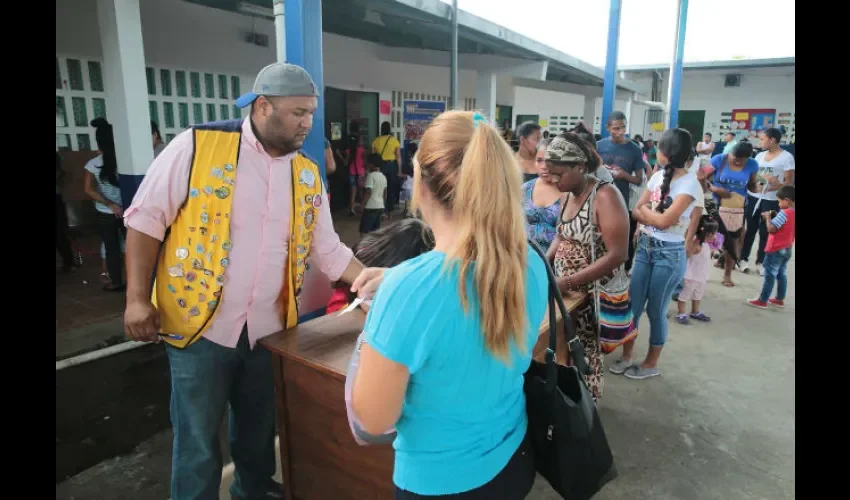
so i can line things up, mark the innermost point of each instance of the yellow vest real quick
(191, 273)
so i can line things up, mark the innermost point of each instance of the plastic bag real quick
(362, 437)
(716, 243)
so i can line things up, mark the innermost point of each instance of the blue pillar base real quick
(311, 315)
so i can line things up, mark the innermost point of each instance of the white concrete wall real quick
(559, 109)
(765, 88)
(183, 35)
(504, 91)
(563, 110)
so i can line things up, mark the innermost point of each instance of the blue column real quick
(609, 88)
(303, 22)
(293, 20)
(312, 46)
(676, 68)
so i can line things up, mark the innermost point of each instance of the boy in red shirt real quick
(782, 227)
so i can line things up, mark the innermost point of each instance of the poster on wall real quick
(336, 131)
(385, 107)
(418, 115)
(752, 119)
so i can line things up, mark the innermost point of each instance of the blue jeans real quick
(205, 377)
(775, 265)
(659, 267)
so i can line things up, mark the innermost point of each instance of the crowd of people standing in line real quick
(681, 204)
(678, 213)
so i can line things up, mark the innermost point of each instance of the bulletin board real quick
(752, 119)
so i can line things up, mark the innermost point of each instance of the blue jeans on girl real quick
(775, 266)
(659, 267)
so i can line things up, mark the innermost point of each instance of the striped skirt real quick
(616, 321)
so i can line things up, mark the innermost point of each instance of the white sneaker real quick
(760, 269)
(743, 266)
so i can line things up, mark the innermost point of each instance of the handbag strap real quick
(593, 259)
(576, 348)
(386, 143)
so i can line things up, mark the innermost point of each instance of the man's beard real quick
(276, 139)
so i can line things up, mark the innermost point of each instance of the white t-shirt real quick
(686, 185)
(776, 167)
(704, 145)
(377, 183)
(110, 192)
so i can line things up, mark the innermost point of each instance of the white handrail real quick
(99, 354)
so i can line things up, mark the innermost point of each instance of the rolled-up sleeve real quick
(331, 255)
(163, 190)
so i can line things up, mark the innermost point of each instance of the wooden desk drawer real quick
(324, 460)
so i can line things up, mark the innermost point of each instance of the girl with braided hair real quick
(664, 211)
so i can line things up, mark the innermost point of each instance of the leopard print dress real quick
(574, 254)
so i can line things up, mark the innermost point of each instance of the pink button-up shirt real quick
(259, 230)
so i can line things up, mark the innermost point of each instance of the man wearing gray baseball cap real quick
(227, 218)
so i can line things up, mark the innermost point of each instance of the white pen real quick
(354, 303)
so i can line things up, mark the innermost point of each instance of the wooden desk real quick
(572, 301)
(319, 457)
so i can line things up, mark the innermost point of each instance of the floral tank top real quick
(575, 251)
(540, 222)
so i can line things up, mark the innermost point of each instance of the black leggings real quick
(756, 225)
(514, 482)
(633, 223)
(111, 232)
(390, 171)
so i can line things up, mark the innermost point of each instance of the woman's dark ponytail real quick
(106, 145)
(677, 145)
(665, 187)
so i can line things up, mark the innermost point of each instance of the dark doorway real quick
(693, 122)
(504, 113)
(342, 108)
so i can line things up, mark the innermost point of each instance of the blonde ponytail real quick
(472, 172)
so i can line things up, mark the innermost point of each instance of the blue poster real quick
(761, 121)
(418, 115)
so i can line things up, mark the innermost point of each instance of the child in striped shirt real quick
(782, 229)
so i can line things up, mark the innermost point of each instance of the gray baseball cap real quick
(280, 80)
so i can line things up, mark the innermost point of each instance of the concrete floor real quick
(718, 424)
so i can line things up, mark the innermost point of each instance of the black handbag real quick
(566, 434)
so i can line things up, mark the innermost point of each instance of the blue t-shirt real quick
(725, 177)
(627, 156)
(464, 411)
